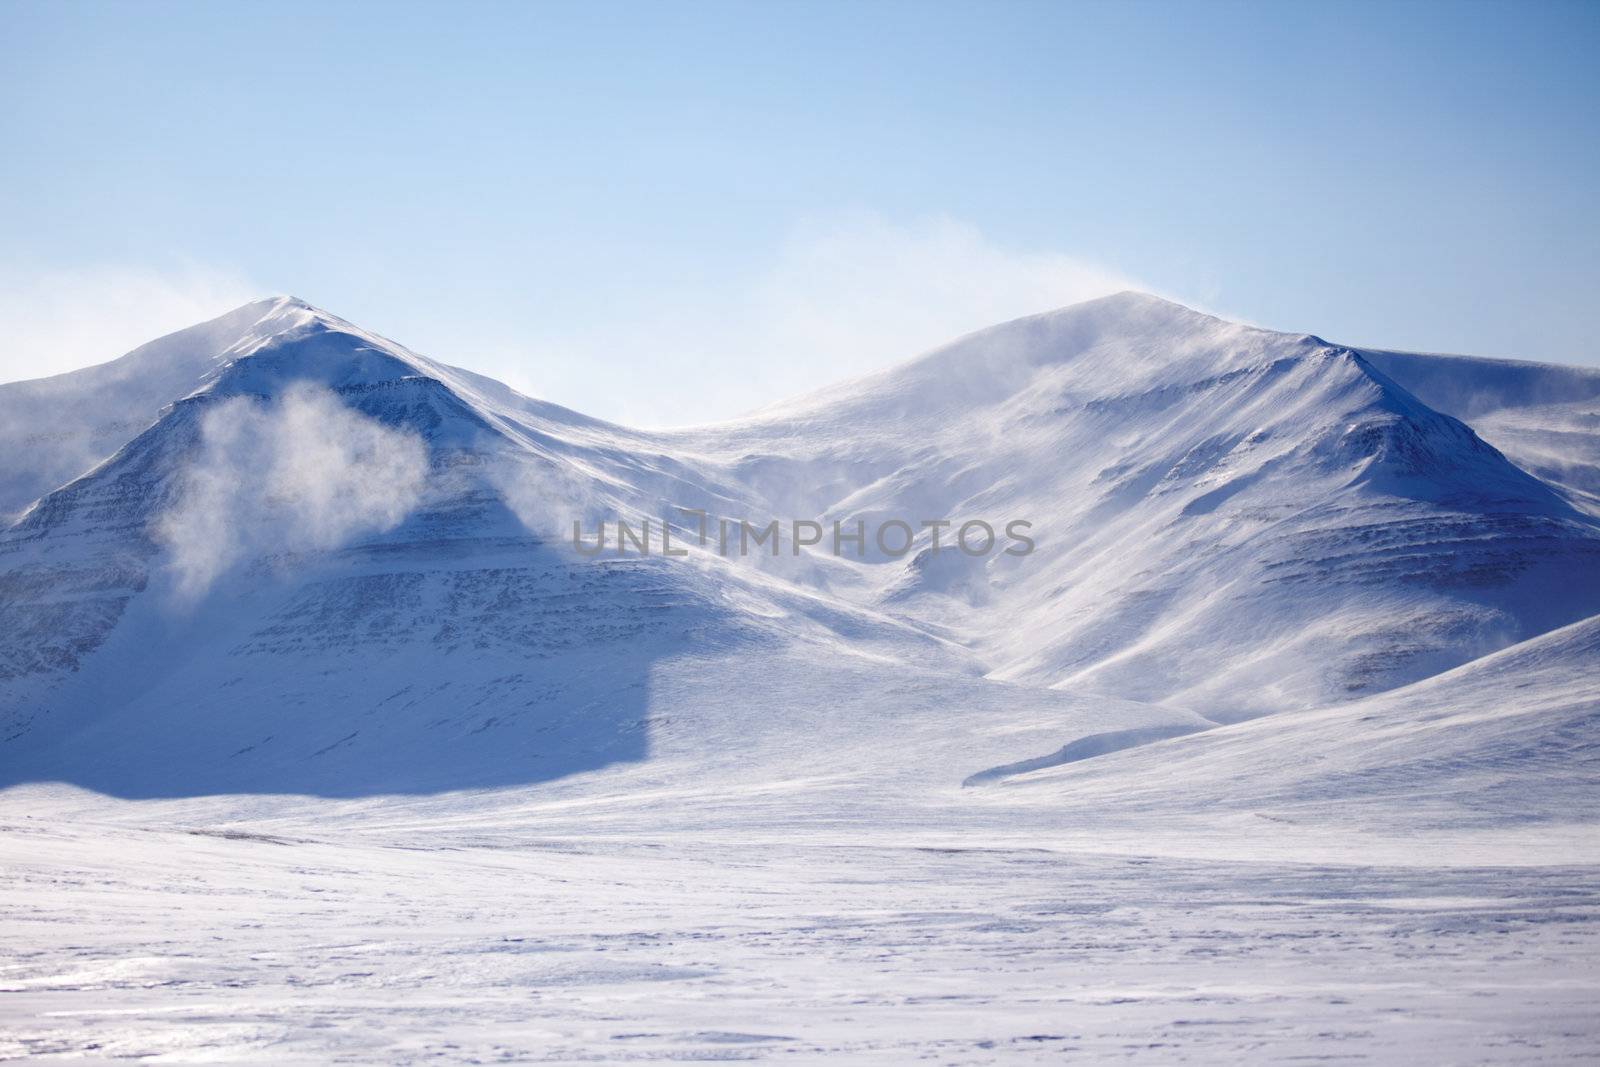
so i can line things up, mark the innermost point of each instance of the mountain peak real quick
(1126, 341)
(1137, 298)
(284, 312)
(1132, 312)
(281, 302)
(286, 339)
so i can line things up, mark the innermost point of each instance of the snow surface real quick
(318, 742)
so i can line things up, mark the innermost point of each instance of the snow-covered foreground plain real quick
(416, 946)
(318, 742)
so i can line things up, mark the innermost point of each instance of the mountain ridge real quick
(1232, 523)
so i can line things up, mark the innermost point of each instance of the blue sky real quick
(669, 213)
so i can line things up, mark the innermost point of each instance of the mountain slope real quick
(1231, 519)
(1509, 739)
(310, 574)
(56, 428)
(1545, 417)
(330, 565)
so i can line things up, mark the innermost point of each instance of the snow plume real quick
(852, 293)
(548, 494)
(299, 473)
(840, 296)
(59, 320)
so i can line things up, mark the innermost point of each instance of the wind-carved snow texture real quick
(319, 740)
(298, 473)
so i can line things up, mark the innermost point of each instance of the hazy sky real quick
(670, 213)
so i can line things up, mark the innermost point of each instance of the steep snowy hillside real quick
(330, 565)
(309, 575)
(1230, 519)
(53, 429)
(1544, 417)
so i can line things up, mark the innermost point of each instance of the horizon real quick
(781, 401)
(670, 216)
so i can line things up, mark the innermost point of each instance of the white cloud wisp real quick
(299, 473)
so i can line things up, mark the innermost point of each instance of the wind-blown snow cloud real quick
(300, 473)
(548, 494)
(865, 291)
(841, 297)
(60, 320)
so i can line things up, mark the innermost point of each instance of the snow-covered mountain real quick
(275, 553)
(319, 740)
(1235, 520)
